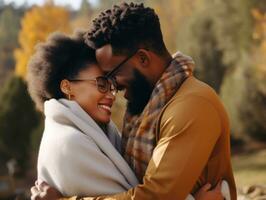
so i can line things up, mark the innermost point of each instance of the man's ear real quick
(144, 57)
(65, 87)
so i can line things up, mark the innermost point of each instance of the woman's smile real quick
(97, 104)
(106, 106)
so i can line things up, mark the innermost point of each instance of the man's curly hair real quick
(60, 57)
(127, 27)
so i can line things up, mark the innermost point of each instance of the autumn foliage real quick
(37, 24)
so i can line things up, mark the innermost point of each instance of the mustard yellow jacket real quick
(193, 147)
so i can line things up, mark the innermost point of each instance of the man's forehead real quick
(105, 58)
(105, 52)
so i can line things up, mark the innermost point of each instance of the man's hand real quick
(206, 194)
(43, 191)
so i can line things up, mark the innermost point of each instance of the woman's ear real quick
(65, 87)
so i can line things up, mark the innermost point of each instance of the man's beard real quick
(140, 92)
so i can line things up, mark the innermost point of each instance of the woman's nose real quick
(111, 94)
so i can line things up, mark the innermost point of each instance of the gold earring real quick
(69, 96)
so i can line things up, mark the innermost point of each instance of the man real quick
(176, 131)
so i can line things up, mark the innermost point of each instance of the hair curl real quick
(60, 57)
(127, 27)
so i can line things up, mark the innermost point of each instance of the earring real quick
(69, 96)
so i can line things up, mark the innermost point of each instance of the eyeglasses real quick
(103, 84)
(111, 75)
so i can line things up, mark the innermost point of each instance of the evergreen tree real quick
(17, 120)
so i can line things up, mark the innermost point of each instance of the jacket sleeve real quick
(189, 129)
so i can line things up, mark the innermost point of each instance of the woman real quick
(80, 148)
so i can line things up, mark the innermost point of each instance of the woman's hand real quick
(43, 191)
(206, 193)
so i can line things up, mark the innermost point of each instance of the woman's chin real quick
(105, 120)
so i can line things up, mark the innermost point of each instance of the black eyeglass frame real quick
(116, 69)
(111, 75)
(108, 86)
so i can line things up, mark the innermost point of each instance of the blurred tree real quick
(17, 120)
(172, 15)
(234, 36)
(109, 4)
(2, 3)
(199, 41)
(232, 94)
(37, 135)
(253, 109)
(85, 8)
(244, 88)
(8, 39)
(213, 42)
(83, 17)
(259, 35)
(37, 24)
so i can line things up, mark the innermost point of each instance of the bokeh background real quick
(226, 38)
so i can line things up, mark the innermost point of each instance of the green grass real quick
(250, 168)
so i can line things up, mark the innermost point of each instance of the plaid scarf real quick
(139, 131)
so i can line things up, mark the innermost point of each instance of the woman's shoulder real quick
(61, 141)
(75, 138)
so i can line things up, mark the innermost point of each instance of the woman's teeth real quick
(105, 107)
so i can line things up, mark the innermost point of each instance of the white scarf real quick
(77, 157)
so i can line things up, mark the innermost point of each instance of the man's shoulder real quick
(195, 103)
(194, 87)
(192, 92)
(194, 97)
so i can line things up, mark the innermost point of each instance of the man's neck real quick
(161, 64)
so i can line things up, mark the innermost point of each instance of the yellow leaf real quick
(37, 24)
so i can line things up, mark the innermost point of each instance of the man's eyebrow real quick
(106, 71)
